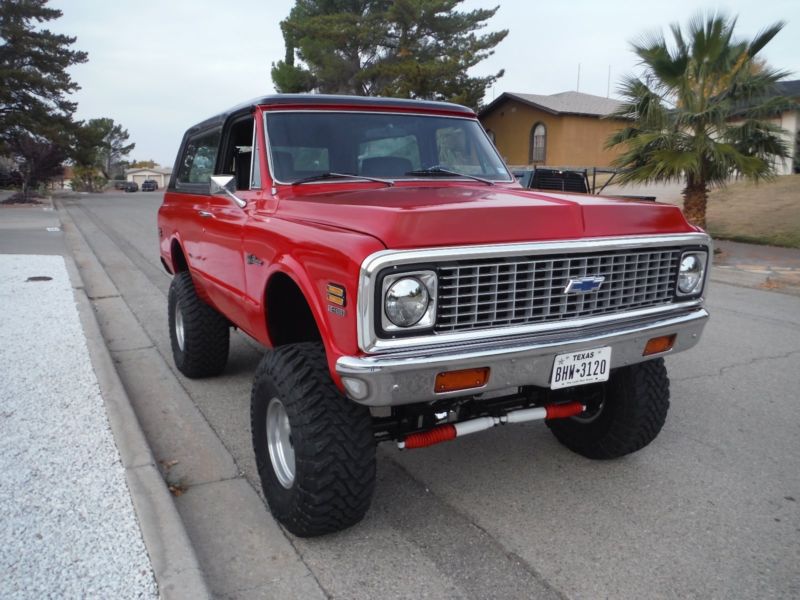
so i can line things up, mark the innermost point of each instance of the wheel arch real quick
(177, 257)
(308, 288)
(289, 315)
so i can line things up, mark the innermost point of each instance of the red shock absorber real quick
(442, 433)
(562, 411)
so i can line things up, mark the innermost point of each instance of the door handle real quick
(205, 214)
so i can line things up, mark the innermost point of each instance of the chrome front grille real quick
(489, 293)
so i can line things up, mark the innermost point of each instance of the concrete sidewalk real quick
(68, 526)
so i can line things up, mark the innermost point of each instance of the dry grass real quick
(763, 213)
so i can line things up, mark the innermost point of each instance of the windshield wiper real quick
(332, 175)
(439, 171)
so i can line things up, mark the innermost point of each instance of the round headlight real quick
(690, 276)
(406, 301)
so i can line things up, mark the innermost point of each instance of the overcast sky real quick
(159, 66)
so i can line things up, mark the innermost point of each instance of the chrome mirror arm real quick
(224, 185)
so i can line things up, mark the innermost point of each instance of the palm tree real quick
(697, 114)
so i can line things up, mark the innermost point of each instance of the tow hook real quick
(450, 431)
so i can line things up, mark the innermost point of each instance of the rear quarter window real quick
(197, 160)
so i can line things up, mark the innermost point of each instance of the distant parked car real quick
(131, 186)
(10, 179)
(120, 185)
(149, 185)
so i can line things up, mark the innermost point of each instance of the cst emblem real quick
(583, 285)
(339, 312)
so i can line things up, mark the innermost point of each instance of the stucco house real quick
(564, 130)
(789, 120)
(161, 175)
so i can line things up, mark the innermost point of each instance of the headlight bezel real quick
(428, 278)
(697, 291)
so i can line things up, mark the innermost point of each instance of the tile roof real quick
(569, 103)
(790, 88)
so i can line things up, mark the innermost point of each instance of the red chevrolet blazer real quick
(406, 288)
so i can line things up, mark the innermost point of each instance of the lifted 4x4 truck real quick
(408, 289)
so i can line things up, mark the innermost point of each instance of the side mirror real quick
(224, 185)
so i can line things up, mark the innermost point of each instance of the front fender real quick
(335, 336)
(313, 256)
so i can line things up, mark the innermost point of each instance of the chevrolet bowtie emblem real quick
(583, 285)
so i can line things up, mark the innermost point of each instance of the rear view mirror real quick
(224, 185)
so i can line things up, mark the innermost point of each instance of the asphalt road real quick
(711, 509)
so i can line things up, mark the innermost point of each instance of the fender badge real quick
(339, 312)
(584, 284)
(252, 259)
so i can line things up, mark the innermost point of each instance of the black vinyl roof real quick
(330, 100)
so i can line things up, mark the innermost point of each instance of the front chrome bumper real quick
(408, 377)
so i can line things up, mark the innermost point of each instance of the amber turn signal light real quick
(659, 344)
(452, 381)
(336, 294)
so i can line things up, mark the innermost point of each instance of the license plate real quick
(579, 368)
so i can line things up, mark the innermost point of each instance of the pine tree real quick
(401, 48)
(35, 111)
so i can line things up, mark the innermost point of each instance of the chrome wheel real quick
(279, 443)
(590, 414)
(595, 401)
(179, 326)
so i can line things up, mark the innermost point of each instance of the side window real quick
(197, 162)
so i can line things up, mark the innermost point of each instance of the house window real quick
(492, 136)
(797, 153)
(538, 143)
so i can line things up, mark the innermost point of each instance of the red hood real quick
(414, 217)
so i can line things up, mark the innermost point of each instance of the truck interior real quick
(238, 152)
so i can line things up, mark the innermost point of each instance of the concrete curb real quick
(760, 280)
(241, 549)
(172, 556)
(738, 277)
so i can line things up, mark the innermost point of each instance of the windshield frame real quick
(401, 112)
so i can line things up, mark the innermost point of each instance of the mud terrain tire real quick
(199, 335)
(314, 448)
(633, 411)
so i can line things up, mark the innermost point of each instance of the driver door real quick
(225, 224)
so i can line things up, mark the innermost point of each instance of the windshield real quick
(386, 145)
